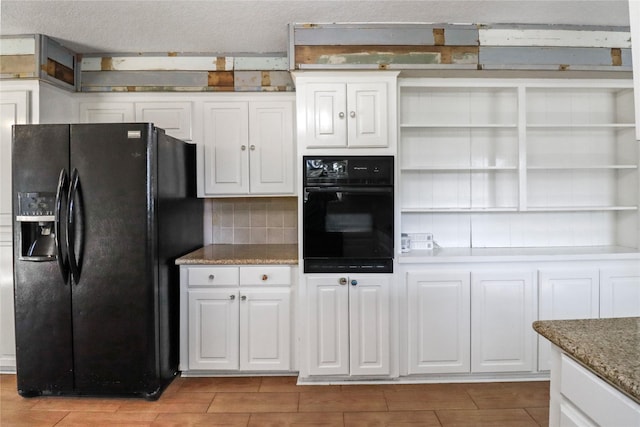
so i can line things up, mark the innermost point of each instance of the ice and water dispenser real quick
(37, 232)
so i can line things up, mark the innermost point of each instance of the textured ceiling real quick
(260, 26)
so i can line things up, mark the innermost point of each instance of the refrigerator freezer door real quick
(44, 358)
(114, 302)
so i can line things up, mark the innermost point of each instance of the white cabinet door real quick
(7, 333)
(213, 329)
(326, 117)
(107, 112)
(265, 329)
(226, 145)
(565, 294)
(439, 311)
(620, 292)
(328, 325)
(348, 325)
(369, 325)
(14, 109)
(271, 149)
(346, 115)
(367, 115)
(173, 117)
(634, 21)
(502, 307)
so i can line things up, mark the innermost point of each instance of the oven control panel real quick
(334, 170)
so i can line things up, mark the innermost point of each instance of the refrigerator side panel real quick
(113, 302)
(42, 301)
(180, 231)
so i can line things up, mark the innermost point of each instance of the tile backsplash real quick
(253, 220)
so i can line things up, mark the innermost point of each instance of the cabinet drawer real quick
(600, 401)
(265, 275)
(213, 276)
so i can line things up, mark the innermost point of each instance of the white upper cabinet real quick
(226, 162)
(174, 116)
(248, 147)
(634, 21)
(346, 110)
(107, 112)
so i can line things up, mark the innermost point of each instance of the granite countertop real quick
(242, 254)
(610, 348)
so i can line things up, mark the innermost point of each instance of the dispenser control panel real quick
(32, 205)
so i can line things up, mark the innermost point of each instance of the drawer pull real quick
(264, 277)
(243, 297)
(211, 277)
(232, 297)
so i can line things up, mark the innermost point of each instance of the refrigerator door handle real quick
(74, 224)
(61, 254)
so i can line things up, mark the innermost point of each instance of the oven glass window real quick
(348, 224)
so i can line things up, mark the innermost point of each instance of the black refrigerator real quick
(101, 212)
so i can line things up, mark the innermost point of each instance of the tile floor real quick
(278, 401)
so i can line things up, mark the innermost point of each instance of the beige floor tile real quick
(429, 399)
(106, 419)
(254, 402)
(327, 419)
(389, 419)
(288, 385)
(83, 404)
(342, 402)
(174, 402)
(486, 418)
(29, 418)
(201, 420)
(226, 384)
(533, 394)
(540, 415)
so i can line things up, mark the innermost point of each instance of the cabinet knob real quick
(243, 147)
(232, 297)
(352, 114)
(264, 277)
(342, 281)
(341, 115)
(211, 277)
(243, 297)
(354, 282)
(252, 147)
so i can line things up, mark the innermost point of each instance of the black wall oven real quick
(348, 214)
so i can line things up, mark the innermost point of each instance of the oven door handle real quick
(352, 190)
(368, 190)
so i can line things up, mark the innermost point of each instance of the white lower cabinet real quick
(578, 397)
(502, 311)
(234, 322)
(348, 324)
(214, 329)
(439, 329)
(620, 292)
(565, 294)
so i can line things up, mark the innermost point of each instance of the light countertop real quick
(610, 348)
(242, 254)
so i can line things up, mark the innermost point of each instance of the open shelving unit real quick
(488, 163)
